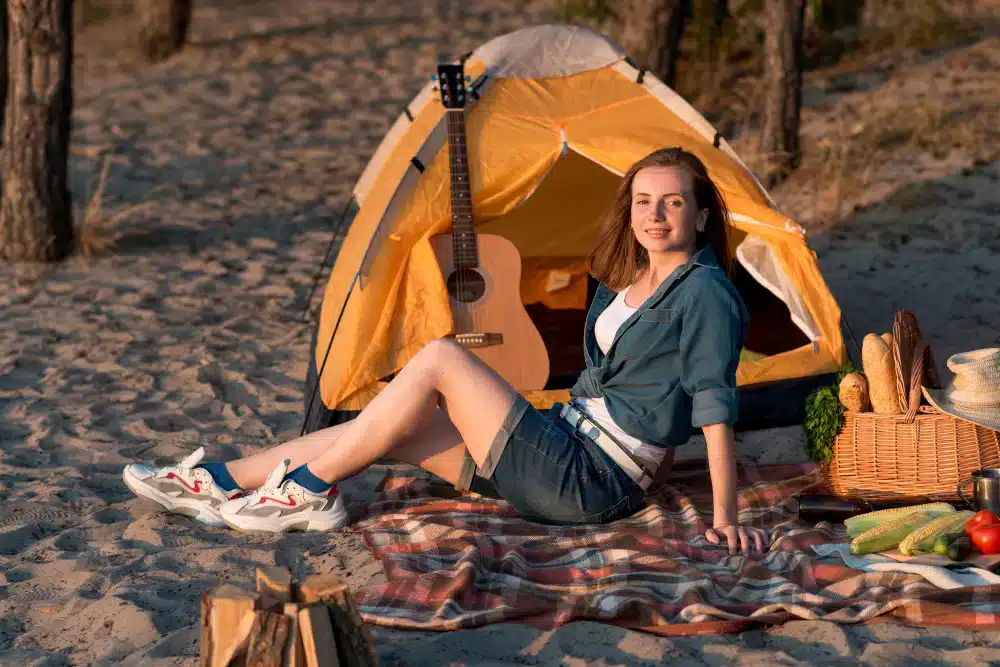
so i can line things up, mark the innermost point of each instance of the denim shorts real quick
(550, 473)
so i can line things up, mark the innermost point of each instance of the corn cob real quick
(889, 535)
(859, 524)
(921, 541)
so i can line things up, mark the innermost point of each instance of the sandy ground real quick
(228, 166)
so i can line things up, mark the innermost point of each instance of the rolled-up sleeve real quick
(711, 338)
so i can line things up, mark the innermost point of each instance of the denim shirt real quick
(672, 363)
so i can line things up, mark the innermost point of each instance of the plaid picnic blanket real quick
(460, 561)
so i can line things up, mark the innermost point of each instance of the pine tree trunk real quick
(36, 213)
(779, 139)
(650, 32)
(3, 64)
(163, 27)
(832, 15)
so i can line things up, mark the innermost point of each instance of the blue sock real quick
(220, 473)
(305, 478)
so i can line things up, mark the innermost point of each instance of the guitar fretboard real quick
(463, 230)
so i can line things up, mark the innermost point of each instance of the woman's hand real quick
(739, 538)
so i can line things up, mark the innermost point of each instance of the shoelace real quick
(272, 485)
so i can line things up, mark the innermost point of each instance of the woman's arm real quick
(722, 466)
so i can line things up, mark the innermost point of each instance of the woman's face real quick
(665, 216)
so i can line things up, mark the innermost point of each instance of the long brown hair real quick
(618, 257)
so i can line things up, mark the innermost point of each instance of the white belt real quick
(585, 425)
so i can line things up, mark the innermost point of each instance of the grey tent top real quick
(547, 51)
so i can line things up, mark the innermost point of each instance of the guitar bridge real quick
(479, 339)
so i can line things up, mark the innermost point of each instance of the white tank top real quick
(605, 328)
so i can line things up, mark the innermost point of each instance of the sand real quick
(229, 164)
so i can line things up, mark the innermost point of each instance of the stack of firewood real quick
(309, 623)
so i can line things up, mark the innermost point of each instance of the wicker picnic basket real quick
(921, 454)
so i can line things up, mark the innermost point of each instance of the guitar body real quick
(486, 300)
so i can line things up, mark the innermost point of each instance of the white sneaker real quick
(279, 506)
(182, 488)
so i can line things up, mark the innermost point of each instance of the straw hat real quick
(974, 393)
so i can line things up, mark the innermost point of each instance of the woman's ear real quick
(702, 220)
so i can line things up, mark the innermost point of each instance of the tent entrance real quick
(554, 230)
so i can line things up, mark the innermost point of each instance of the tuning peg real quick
(468, 78)
(434, 77)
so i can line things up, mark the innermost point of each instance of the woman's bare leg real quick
(251, 471)
(443, 374)
(438, 448)
(402, 421)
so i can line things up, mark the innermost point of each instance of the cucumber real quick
(942, 543)
(960, 548)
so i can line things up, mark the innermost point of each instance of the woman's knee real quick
(440, 352)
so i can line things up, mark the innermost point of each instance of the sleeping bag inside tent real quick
(557, 115)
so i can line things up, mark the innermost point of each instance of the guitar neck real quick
(464, 244)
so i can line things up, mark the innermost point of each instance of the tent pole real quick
(843, 318)
(326, 257)
(319, 375)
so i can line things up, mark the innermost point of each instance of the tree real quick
(779, 138)
(3, 63)
(163, 26)
(650, 32)
(832, 15)
(36, 212)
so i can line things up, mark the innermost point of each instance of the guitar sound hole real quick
(466, 285)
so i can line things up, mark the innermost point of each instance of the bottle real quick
(815, 507)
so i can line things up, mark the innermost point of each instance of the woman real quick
(662, 343)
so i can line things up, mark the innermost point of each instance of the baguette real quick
(876, 359)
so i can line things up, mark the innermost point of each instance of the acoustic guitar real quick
(483, 271)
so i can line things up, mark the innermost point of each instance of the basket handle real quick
(916, 379)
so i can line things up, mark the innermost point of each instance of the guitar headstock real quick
(453, 85)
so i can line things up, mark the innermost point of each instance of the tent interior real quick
(554, 230)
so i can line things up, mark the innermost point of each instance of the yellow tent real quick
(558, 116)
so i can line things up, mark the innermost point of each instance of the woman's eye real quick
(676, 203)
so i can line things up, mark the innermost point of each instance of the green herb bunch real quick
(824, 417)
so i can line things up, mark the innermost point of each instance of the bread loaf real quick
(876, 359)
(854, 392)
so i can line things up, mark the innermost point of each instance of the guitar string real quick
(479, 308)
(457, 247)
(470, 309)
(457, 240)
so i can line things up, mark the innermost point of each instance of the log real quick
(238, 643)
(355, 646)
(274, 585)
(222, 610)
(267, 639)
(317, 635)
(284, 624)
(294, 650)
